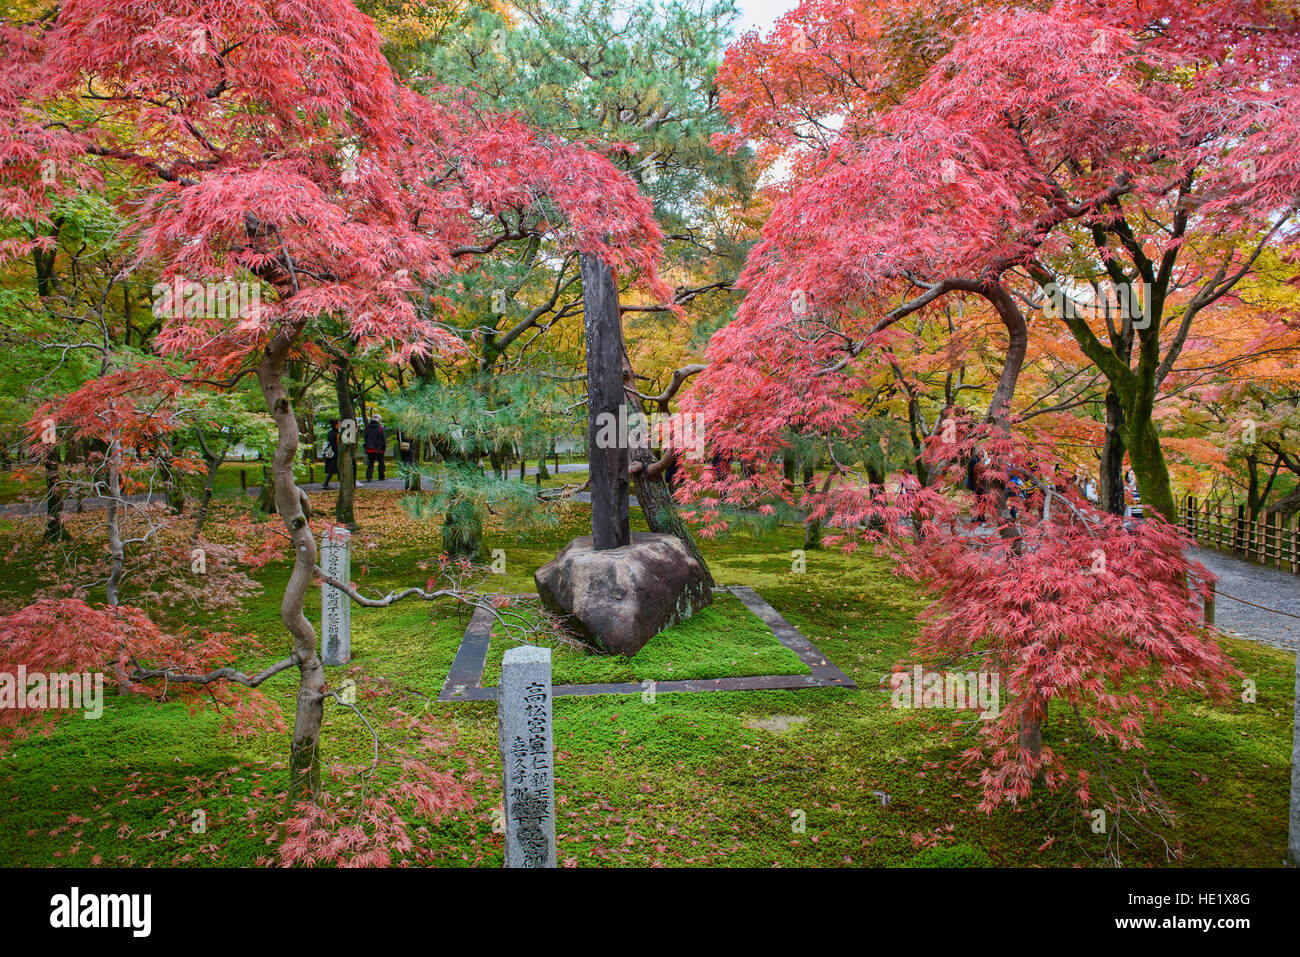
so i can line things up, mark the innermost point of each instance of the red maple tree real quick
(1012, 155)
(268, 142)
(932, 153)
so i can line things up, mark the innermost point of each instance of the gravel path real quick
(1263, 586)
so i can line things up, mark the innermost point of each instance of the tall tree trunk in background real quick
(266, 494)
(1256, 497)
(1252, 487)
(653, 492)
(1110, 484)
(1136, 386)
(205, 499)
(812, 529)
(53, 499)
(304, 754)
(44, 260)
(117, 557)
(346, 452)
(173, 489)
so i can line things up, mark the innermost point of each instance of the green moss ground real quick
(685, 779)
(725, 640)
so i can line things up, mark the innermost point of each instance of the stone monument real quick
(527, 756)
(335, 605)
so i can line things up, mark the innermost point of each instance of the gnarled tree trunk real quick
(1148, 461)
(653, 492)
(304, 757)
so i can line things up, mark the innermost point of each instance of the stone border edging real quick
(464, 678)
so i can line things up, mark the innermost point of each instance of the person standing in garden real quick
(330, 453)
(376, 443)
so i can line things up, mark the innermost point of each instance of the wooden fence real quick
(1268, 542)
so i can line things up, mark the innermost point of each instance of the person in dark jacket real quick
(376, 443)
(330, 453)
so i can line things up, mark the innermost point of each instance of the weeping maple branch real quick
(138, 674)
(517, 626)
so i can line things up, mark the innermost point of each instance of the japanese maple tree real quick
(1004, 156)
(268, 142)
(1017, 155)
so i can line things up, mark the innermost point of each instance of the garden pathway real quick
(1268, 587)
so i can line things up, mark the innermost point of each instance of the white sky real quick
(761, 13)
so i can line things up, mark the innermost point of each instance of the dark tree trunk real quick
(653, 492)
(53, 499)
(1031, 737)
(346, 452)
(266, 495)
(113, 519)
(173, 489)
(44, 261)
(1257, 497)
(1110, 486)
(610, 523)
(214, 464)
(812, 530)
(1253, 503)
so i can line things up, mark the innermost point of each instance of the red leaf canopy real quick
(272, 137)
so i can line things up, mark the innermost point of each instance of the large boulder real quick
(619, 598)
